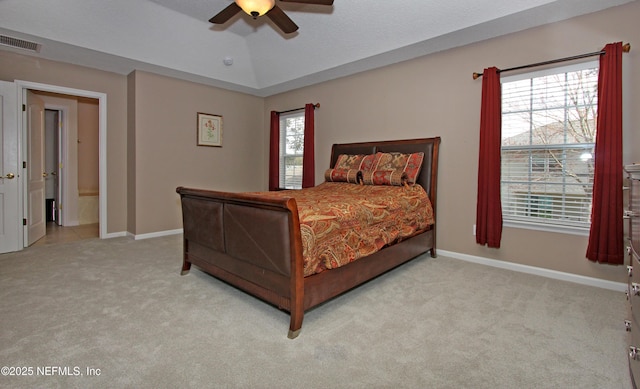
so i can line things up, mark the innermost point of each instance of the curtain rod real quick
(625, 48)
(316, 105)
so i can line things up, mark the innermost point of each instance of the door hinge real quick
(24, 107)
(24, 164)
(24, 222)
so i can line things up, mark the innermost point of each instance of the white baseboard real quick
(558, 275)
(115, 235)
(156, 234)
(142, 236)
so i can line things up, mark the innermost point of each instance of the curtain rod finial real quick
(317, 105)
(626, 47)
(476, 75)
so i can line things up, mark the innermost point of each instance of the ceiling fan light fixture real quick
(256, 8)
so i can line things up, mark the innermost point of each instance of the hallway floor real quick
(59, 234)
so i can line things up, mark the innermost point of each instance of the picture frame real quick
(209, 130)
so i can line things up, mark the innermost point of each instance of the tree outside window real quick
(548, 140)
(291, 150)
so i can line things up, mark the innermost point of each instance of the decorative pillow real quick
(384, 177)
(395, 169)
(413, 167)
(359, 162)
(352, 176)
(347, 161)
(370, 162)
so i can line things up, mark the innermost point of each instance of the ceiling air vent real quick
(19, 43)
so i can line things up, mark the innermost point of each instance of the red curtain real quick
(274, 152)
(606, 237)
(308, 158)
(489, 206)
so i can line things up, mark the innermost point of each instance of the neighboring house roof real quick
(555, 134)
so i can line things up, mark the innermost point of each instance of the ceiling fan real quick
(257, 8)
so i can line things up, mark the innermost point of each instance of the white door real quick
(36, 220)
(10, 215)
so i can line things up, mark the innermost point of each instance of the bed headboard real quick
(428, 177)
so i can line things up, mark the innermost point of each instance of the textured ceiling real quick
(174, 37)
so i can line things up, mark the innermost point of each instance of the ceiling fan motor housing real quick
(256, 8)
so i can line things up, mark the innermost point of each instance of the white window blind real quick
(548, 140)
(291, 150)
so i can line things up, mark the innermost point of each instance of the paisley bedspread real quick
(341, 222)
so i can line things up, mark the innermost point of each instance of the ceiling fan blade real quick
(319, 2)
(282, 20)
(226, 14)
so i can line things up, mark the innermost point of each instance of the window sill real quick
(546, 227)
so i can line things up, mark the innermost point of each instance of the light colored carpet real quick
(121, 306)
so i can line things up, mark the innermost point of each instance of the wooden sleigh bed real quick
(253, 241)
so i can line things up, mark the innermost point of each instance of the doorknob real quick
(9, 176)
(44, 174)
(54, 173)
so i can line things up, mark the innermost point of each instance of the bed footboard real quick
(224, 234)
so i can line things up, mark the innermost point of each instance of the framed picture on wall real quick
(209, 130)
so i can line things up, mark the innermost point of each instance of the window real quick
(291, 150)
(548, 140)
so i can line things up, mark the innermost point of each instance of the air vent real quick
(19, 43)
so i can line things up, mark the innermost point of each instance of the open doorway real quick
(23, 88)
(71, 168)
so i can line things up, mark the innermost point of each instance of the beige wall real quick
(88, 147)
(165, 154)
(436, 96)
(27, 68)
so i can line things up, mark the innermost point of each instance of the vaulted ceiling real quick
(174, 37)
